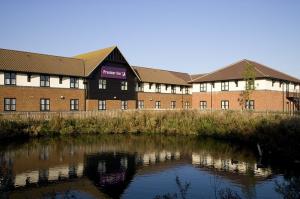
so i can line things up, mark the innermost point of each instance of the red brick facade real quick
(263, 100)
(165, 100)
(28, 98)
(92, 105)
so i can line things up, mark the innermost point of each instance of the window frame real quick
(186, 105)
(224, 104)
(140, 87)
(74, 106)
(43, 105)
(157, 104)
(102, 84)
(203, 87)
(203, 105)
(101, 105)
(173, 105)
(187, 90)
(157, 88)
(124, 105)
(173, 89)
(74, 82)
(225, 86)
(141, 104)
(12, 78)
(250, 105)
(124, 85)
(43, 81)
(12, 106)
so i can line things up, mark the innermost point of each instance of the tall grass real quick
(273, 132)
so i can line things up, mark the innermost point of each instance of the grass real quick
(277, 134)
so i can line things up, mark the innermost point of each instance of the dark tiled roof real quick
(20, 61)
(194, 76)
(162, 76)
(235, 72)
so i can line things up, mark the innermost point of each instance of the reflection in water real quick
(109, 166)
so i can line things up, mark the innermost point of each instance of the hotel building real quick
(104, 80)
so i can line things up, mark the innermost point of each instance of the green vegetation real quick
(276, 134)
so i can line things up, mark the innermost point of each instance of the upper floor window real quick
(173, 104)
(102, 83)
(180, 88)
(10, 78)
(173, 89)
(225, 86)
(9, 104)
(157, 104)
(203, 87)
(74, 82)
(141, 87)
(60, 79)
(140, 104)
(250, 85)
(236, 83)
(187, 90)
(249, 104)
(124, 85)
(45, 104)
(203, 105)
(150, 86)
(45, 80)
(158, 88)
(224, 104)
(124, 105)
(167, 86)
(74, 104)
(101, 105)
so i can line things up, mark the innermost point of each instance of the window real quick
(101, 105)
(225, 86)
(124, 105)
(203, 87)
(157, 104)
(157, 88)
(249, 105)
(273, 82)
(173, 104)
(74, 104)
(124, 85)
(203, 105)
(102, 83)
(186, 105)
(28, 77)
(45, 80)
(60, 79)
(236, 83)
(224, 104)
(250, 85)
(45, 104)
(167, 86)
(140, 104)
(74, 82)
(9, 104)
(141, 87)
(180, 88)
(187, 91)
(150, 86)
(173, 89)
(10, 78)
(213, 84)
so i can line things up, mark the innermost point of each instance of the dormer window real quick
(225, 86)
(10, 78)
(158, 88)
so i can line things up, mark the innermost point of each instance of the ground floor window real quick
(157, 104)
(203, 105)
(124, 105)
(9, 104)
(45, 104)
(101, 105)
(140, 104)
(249, 104)
(74, 104)
(224, 104)
(186, 105)
(173, 104)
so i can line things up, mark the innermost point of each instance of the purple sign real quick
(113, 72)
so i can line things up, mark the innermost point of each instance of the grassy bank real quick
(277, 134)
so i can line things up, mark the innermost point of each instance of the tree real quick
(249, 78)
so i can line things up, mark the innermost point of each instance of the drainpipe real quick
(211, 86)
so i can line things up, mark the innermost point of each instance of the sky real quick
(191, 36)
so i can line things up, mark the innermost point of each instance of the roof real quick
(235, 72)
(153, 75)
(94, 58)
(21, 61)
(195, 76)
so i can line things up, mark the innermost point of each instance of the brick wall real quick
(164, 98)
(264, 100)
(92, 105)
(28, 98)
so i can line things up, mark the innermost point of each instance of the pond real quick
(148, 166)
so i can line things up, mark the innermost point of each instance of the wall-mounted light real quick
(115, 97)
(62, 97)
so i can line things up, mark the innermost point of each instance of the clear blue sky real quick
(190, 36)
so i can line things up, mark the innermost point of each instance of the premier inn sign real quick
(113, 72)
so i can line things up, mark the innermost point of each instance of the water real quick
(118, 166)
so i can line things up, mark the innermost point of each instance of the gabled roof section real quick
(235, 72)
(195, 76)
(94, 58)
(21, 61)
(153, 75)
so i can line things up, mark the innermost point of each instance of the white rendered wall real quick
(163, 88)
(21, 80)
(1, 78)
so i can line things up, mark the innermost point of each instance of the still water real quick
(123, 166)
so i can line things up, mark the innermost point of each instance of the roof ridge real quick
(225, 67)
(44, 54)
(95, 51)
(259, 71)
(160, 69)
